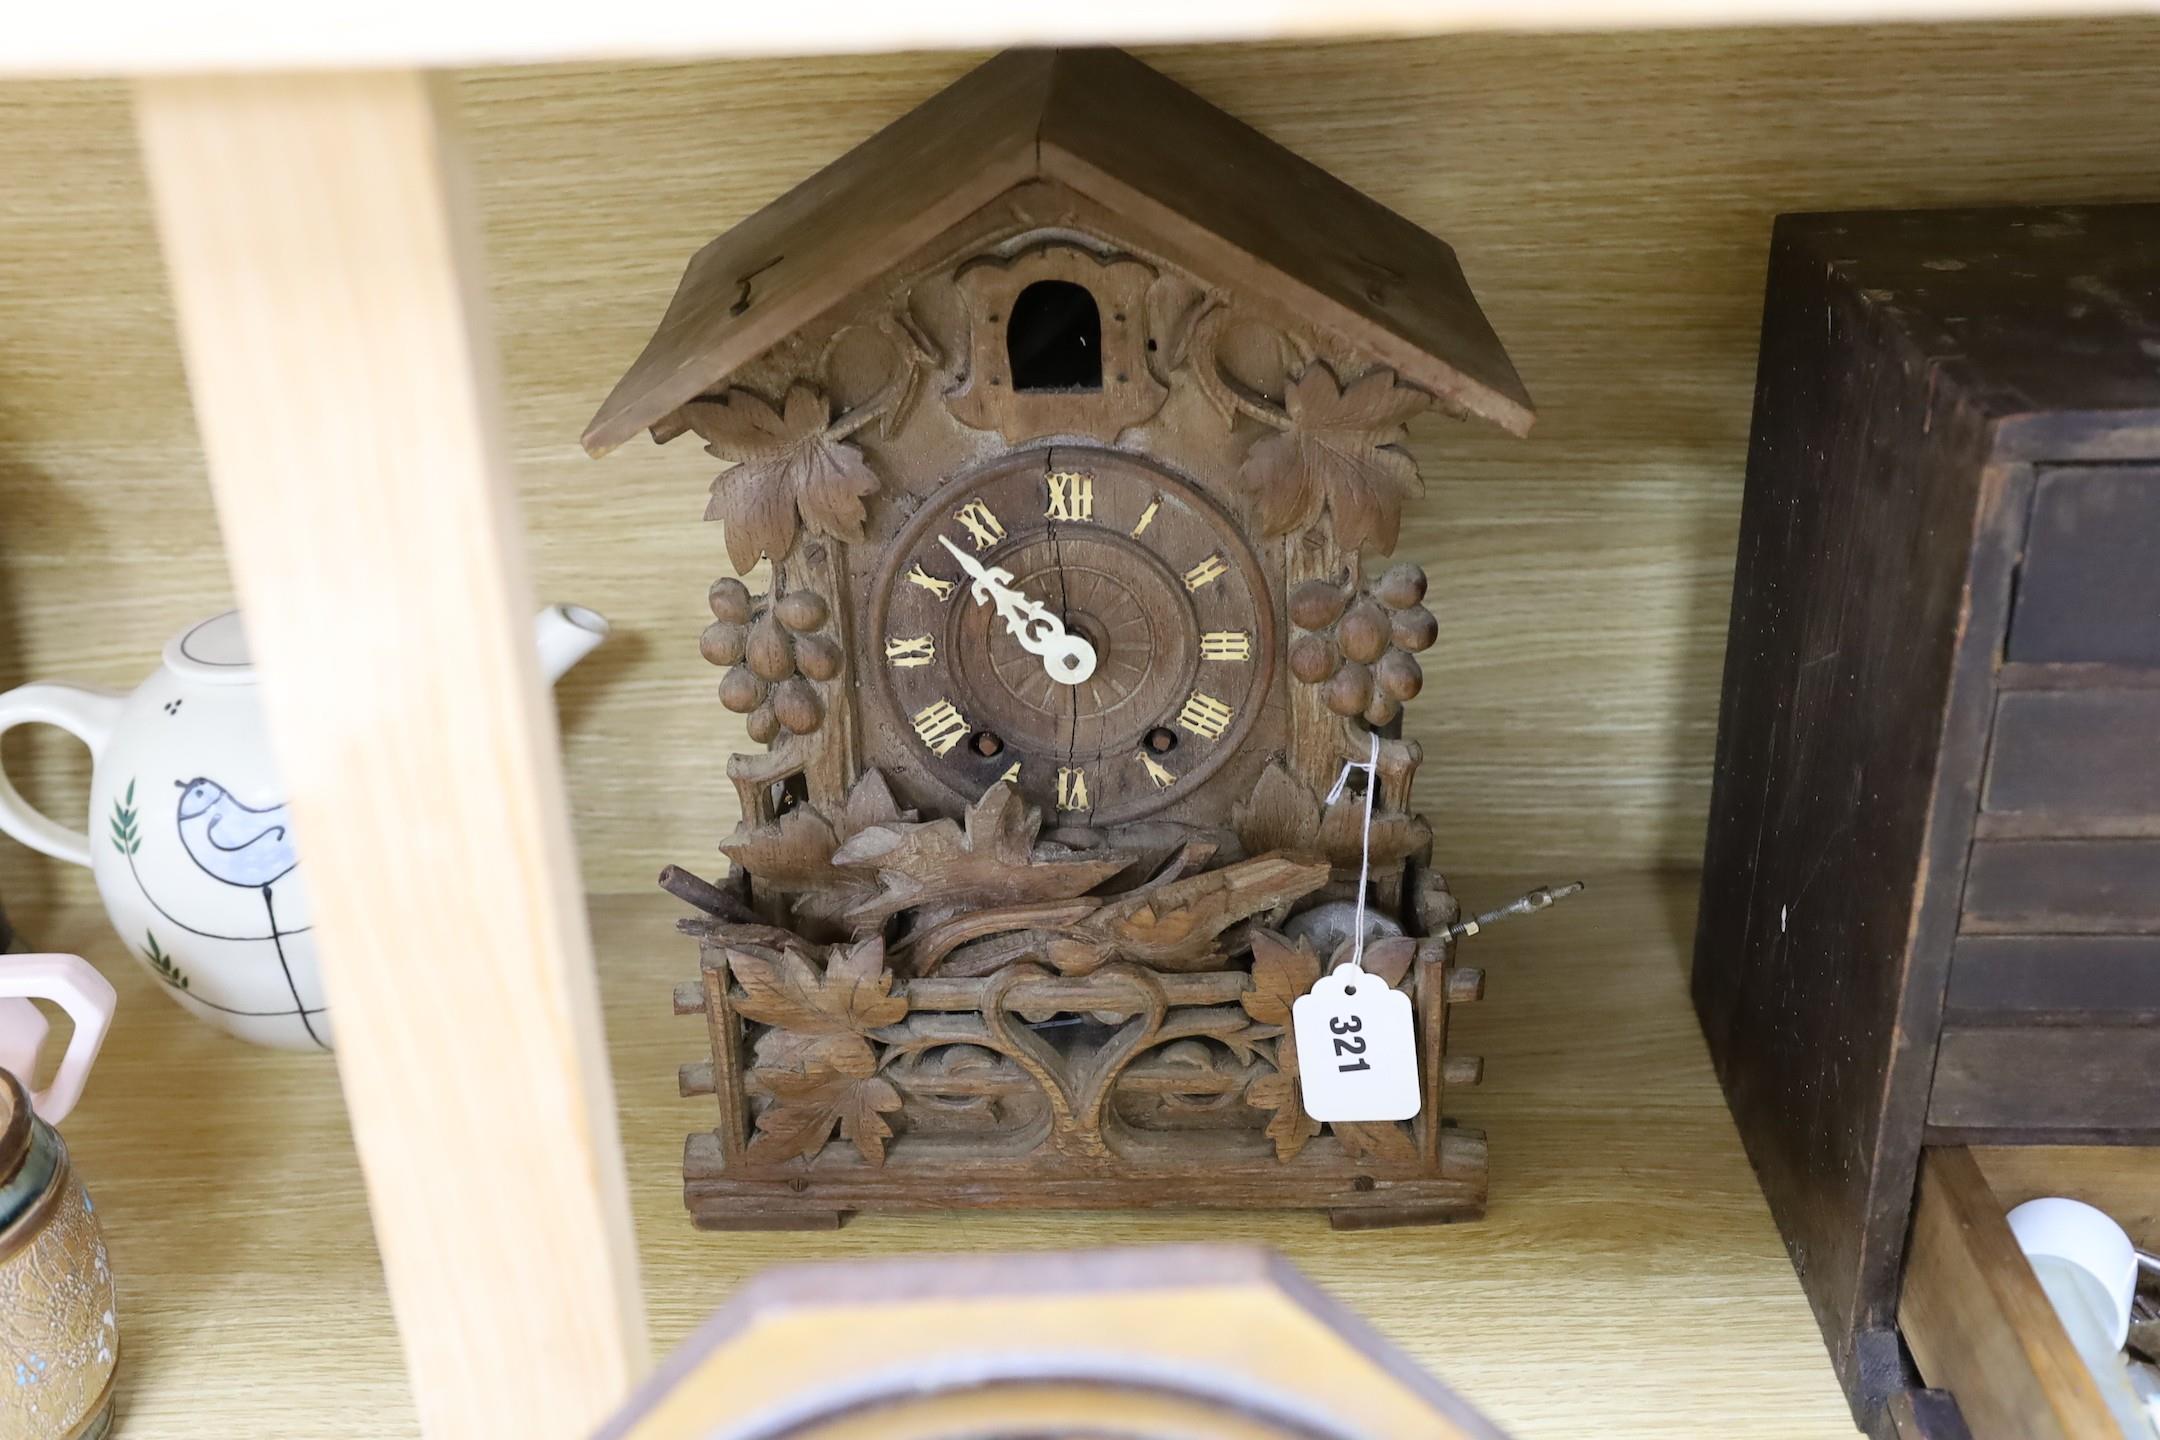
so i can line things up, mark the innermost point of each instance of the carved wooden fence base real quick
(843, 1086)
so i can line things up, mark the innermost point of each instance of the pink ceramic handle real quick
(88, 997)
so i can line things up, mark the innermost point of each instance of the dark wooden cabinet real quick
(1931, 894)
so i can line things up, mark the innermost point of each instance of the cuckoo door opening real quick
(1053, 339)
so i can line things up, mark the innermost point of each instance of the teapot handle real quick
(89, 715)
(88, 998)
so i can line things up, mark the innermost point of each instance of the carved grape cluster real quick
(1358, 648)
(773, 649)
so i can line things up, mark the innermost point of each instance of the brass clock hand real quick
(1067, 659)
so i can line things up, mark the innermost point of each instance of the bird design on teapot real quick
(232, 841)
(210, 895)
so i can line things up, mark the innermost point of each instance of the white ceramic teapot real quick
(189, 840)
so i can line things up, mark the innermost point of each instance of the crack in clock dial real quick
(1131, 622)
(1067, 659)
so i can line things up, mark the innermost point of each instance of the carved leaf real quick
(816, 1083)
(790, 854)
(870, 803)
(993, 861)
(1395, 836)
(794, 854)
(1283, 814)
(1387, 959)
(1288, 1126)
(1378, 1142)
(1340, 450)
(1282, 970)
(852, 996)
(788, 467)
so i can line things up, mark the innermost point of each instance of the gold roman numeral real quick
(931, 583)
(1072, 496)
(982, 526)
(939, 726)
(1205, 716)
(1072, 788)
(1222, 645)
(1147, 517)
(1163, 778)
(1207, 572)
(910, 653)
(1012, 773)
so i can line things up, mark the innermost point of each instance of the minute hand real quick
(1067, 659)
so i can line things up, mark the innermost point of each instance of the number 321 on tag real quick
(1356, 1048)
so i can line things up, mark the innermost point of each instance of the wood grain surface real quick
(1626, 1282)
(1609, 197)
(1977, 1320)
(141, 36)
(2123, 1180)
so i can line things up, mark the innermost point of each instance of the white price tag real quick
(1356, 1048)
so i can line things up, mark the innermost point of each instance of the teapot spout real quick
(566, 634)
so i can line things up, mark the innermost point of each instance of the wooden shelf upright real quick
(325, 267)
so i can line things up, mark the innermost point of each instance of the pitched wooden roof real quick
(1223, 200)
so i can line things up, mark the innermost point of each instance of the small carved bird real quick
(231, 841)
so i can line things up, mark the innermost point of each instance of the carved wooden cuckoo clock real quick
(1068, 411)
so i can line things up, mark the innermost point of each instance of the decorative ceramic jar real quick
(188, 835)
(59, 1338)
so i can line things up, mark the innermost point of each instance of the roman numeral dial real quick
(1153, 572)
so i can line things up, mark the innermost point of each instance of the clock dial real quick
(1120, 649)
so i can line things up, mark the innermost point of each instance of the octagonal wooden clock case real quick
(1068, 411)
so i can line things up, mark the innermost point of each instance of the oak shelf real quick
(1627, 1280)
(266, 35)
